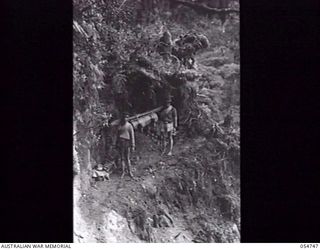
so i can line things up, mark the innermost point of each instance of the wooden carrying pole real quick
(116, 122)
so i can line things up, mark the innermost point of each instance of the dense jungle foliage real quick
(120, 64)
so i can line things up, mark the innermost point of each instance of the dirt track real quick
(120, 196)
(104, 212)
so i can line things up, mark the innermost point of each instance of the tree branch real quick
(205, 9)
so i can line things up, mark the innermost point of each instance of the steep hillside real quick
(197, 190)
(192, 196)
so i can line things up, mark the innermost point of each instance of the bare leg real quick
(123, 168)
(170, 143)
(192, 62)
(163, 144)
(120, 160)
(128, 163)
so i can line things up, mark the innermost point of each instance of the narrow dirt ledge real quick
(125, 210)
(193, 196)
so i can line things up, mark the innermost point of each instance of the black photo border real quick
(279, 123)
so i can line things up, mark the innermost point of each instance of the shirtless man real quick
(125, 140)
(165, 45)
(168, 123)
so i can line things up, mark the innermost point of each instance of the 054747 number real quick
(308, 245)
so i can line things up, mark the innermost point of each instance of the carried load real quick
(183, 48)
(141, 120)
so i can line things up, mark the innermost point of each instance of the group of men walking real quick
(125, 139)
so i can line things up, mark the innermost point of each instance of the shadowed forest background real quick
(193, 196)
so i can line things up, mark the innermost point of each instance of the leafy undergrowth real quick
(198, 187)
(193, 196)
(198, 191)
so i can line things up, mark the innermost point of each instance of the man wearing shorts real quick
(168, 123)
(125, 141)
